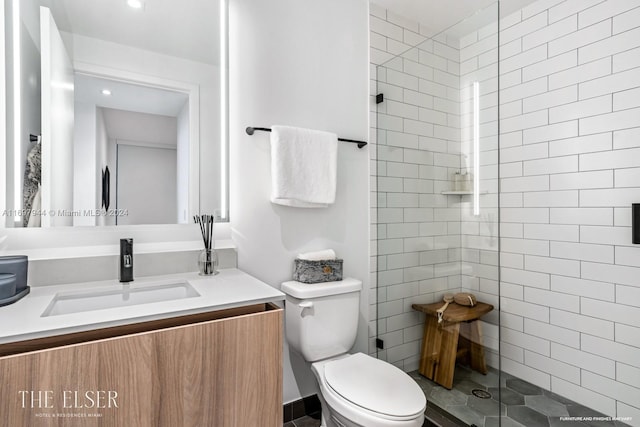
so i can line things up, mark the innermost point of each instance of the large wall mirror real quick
(115, 112)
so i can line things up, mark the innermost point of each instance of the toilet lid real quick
(375, 385)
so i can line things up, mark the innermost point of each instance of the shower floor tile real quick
(523, 404)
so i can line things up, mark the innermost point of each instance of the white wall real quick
(570, 169)
(85, 189)
(301, 63)
(146, 184)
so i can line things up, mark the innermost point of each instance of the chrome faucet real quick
(126, 260)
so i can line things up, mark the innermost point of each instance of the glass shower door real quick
(436, 221)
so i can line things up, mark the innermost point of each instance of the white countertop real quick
(230, 288)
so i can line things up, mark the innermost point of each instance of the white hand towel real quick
(303, 167)
(318, 255)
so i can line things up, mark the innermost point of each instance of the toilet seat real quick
(374, 387)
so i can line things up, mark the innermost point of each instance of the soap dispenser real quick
(126, 260)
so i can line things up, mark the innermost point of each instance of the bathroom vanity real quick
(212, 357)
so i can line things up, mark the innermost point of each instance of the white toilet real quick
(355, 389)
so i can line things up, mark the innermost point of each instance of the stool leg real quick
(448, 352)
(464, 344)
(478, 362)
(431, 338)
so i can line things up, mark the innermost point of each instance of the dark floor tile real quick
(467, 386)
(425, 384)
(462, 372)
(501, 422)
(415, 375)
(443, 397)
(466, 414)
(490, 379)
(547, 406)
(558, 398)
(523, 387)
(505, 375)
(316, 415)
(576, 410)
(525, 404)
(601, 423)
(506, 396)
(428, 423)
(488, 407)
(527, 416)
(306, 421)
(439, 417)
(289, 424)
(559, 422)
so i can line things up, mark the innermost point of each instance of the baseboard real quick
(309, 405)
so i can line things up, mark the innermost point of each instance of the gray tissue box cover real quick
(307, 271)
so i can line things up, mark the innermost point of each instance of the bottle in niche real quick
(468, 182)
(457, 181)
(465, 183)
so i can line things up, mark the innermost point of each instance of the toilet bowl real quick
(356, 390)
(359, 390)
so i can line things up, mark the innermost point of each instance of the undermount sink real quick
(119, 296)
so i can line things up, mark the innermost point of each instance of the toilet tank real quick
(321, 319)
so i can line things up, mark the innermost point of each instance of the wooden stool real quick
(441, 345)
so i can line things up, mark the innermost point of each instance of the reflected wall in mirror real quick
(101, 84)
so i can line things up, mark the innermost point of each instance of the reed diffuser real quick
(208, 260)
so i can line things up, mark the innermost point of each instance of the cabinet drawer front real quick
(225, 372)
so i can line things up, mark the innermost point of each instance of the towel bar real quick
(250, 130)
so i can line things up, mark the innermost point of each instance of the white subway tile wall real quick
(569, 270)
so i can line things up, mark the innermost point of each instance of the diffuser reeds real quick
(208, 260)
(206, 228)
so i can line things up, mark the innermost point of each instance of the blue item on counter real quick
(16, 266)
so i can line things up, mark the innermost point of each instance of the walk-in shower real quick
(505, 151)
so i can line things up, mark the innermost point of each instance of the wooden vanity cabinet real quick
(218, 369)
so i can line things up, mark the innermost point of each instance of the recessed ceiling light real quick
(106, 92)
(136, 4)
